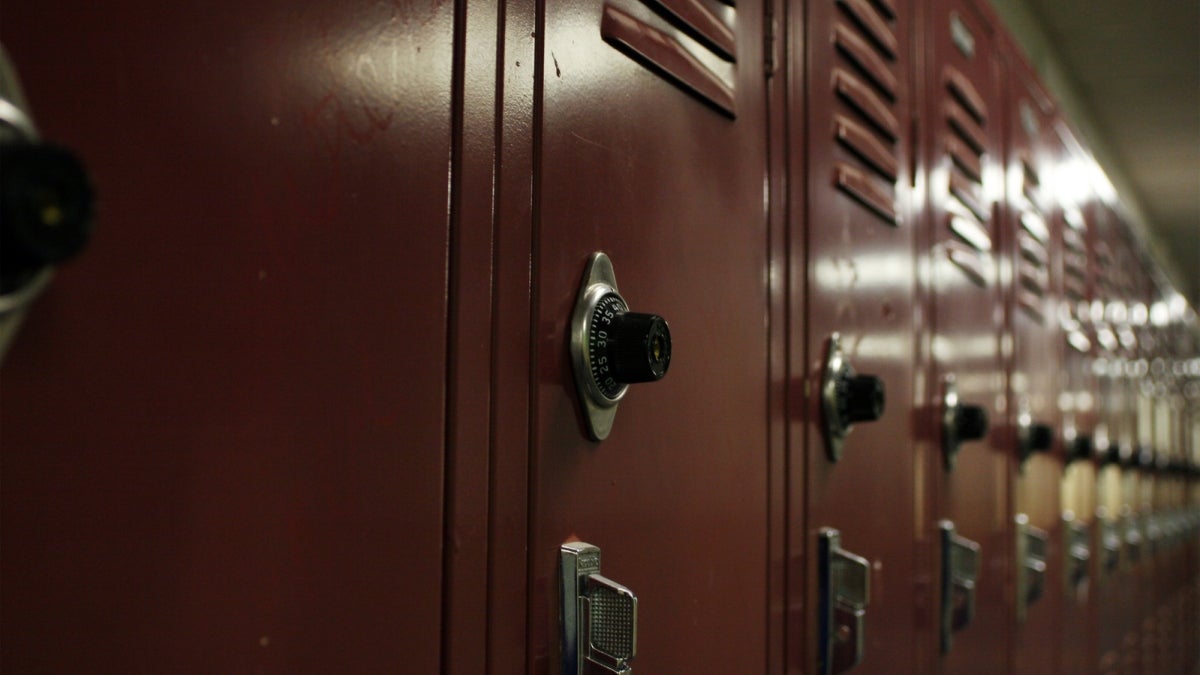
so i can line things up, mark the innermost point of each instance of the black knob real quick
(1041, 437)
(864, 399)
(639, 347)
(45, 209)
(624, 347)
(1080, 448)
(1111, 456)
(970, 422)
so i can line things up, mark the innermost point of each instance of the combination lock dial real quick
(960, 422)
(1032, 436)
(846, 398)
(612, 347)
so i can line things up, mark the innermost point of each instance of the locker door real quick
(1115, 441)
(969, 488)
(859, 230)
(652, 149)
(1033, 429)
(223, 428)
(1081, 432)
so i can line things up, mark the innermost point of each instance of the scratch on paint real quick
(589, 141)
(557, 70)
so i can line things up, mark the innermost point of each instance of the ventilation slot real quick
(1029, 181)
(1106, 285)
(658, 47)
(968, 209)
(1033, 258)
(1074, 266)
(874, 26)
(1033, 278)
(866, 86)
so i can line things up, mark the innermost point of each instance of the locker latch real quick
(961, 422)
(960, 569)
(1110, 541)
(1078, 554)
(1032, 544)
(846, 398)
(1133, 537)
(612, 347)
(599, 616)
(844, 580)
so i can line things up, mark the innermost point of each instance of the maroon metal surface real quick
(853, 213)
(1115, 433)
(1030, 236)
(963, 114)
(223, 427)
(1080, 409)
(634, 162)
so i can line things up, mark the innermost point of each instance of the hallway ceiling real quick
(1136, 64)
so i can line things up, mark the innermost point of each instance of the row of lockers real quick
(324, 395)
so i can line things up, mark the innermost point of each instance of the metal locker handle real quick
(1111, 541)
(844, 580)
(1078, 553)
(960, 570)
(1133, 538)
(599, 616)
(1032, 544)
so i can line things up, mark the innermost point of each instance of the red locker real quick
(853, 473)
(224, 425)
(328, 392)
(1081, 428)
(963, 122)
(650, 145)
(1032, 427)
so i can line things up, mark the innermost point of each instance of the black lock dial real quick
(1032, 436)
(846, 398)
(612, 347)
(960, 422)
(970, 422)
(45, 209)
(1079, 448)
(625, 347)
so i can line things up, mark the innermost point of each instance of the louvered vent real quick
(865, 82)
(1106, 283)
(968, 215)
(1033, 241)
(1074, 260)
(653, 39)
